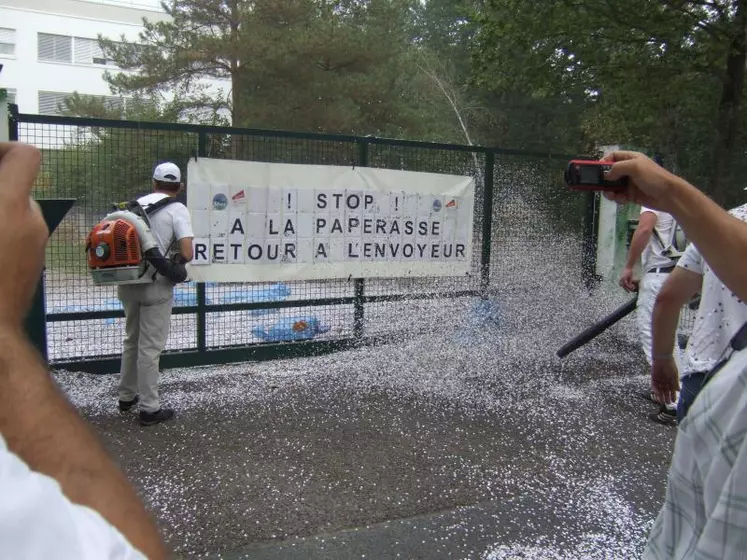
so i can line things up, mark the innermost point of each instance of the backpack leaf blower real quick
(598, 328)
(121, 248)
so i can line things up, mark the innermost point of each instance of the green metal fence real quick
(98, 162)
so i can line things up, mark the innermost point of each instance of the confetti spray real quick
(509, 374)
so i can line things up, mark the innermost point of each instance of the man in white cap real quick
(148, 306)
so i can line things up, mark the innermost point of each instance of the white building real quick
(49, 48)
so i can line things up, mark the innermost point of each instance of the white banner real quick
(258, 222)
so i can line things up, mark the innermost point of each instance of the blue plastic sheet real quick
(291, 328)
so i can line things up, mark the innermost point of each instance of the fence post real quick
(201, 298)
(359, 283)
(54, 211)
(591, 229)
(487, 223)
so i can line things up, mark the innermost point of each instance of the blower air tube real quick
(595, 330)
(173, 270)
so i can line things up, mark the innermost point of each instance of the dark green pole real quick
(591, 229)
(359, 306)
(487, 223)
(201, 297)
(54, 211)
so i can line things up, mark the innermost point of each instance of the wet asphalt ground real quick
(427, 449)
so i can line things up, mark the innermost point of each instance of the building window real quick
(53, 102)
(55, 48)
(88, 51)
(7, 41)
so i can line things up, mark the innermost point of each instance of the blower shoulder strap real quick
(676, 243)
(156, 206)
(135, 207)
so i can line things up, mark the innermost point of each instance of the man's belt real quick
(662, 270)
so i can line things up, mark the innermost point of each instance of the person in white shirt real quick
(148, 307)
(704, 514)
(62, 496)
(649, 244)
(719, 317)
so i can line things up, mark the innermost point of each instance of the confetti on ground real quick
(470, 441)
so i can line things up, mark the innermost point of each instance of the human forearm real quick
(44, 430)
(637, 245)
(664, 322)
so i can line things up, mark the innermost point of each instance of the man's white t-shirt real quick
(38, 522)
(720, 315)
(652, 254)
(169, 224)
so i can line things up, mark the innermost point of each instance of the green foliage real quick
(667, 75)
(111, 165)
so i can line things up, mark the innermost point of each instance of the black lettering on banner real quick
(434, 250)
(436, 229)
(321, 201)
(367, 250)
(351, 254)
(236, 250)
(368, 226)
(423, 228)
(405, 250)
(395, 227)
(350, 201)
(289, 227)
(460, 250)
(394, 249)
(336, 226)
(218, 251)
(380, 227)
(201, 251)
(421, 248)
(321, 251)
(352, 224)
(448, 250)
(368, 200)
(321, 223)
(237, 226)
(254, 252)
(409, 227)
(270, 256)
(337, 197)
(271, 229)
(290, 249)
(380, 250)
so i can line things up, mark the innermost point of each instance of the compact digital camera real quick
(590, 175)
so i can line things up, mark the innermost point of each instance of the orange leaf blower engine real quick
(121, 249)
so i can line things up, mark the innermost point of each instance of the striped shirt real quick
(705, 510)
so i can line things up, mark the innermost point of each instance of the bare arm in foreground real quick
(720, 237)
(36, 421)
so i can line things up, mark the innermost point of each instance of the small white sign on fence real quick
(256, 222)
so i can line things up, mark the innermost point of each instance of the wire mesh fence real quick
(102, 162)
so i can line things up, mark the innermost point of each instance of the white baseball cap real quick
(167, 173)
